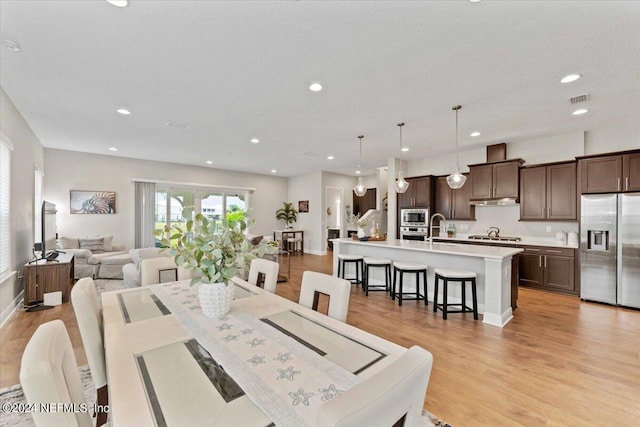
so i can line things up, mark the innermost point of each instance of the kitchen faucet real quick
(435, 215)
(493, 232)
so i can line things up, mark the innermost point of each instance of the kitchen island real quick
(491, 264)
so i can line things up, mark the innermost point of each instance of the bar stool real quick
(409, 267)
(461, 276)
(370, 262)
(292, 244)
(343, 260)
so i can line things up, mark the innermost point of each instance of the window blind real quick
(5, 208)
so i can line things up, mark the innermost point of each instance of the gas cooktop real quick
(500, 238)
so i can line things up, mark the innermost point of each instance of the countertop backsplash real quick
(507, 218)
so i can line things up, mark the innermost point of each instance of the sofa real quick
(131, 271)
(96, 256)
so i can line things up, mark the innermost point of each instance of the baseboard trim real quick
(312, 252)
(11, 308)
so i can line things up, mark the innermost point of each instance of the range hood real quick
(507, 201)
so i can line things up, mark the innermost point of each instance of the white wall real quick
(308, 187)
(70, 170)
(618, 138)
(27, 153)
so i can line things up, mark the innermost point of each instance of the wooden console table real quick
(48, 276)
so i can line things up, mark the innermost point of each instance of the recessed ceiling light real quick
(118, 3)
(580, 112)
(255, 140)
(330, 157)
(570, 78)
(315, 87)
(273, 171)
(209, 162)
(11, 45)
(474, 134)
(357, 172)
(123, 111)
(405, 149)
(113, 149)
(475, 1)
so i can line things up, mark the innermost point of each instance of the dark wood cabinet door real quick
(601, 174)
(481, 181)
(422, 192)
(443, 201)
(561, 192)
(559, 273)
(406, 199)
(631, 172)
(505, 180)
(461, 209)
(362, 204)
(533, 193)
(530, 269)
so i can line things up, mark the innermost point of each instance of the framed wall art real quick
(92, 202)
(303, 206)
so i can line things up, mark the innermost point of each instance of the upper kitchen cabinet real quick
(548, 192)
(453, 204)
(617, 172)
(499, 180)
(362, 204)
(418, 194)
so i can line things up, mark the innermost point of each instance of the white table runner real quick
(288, 381)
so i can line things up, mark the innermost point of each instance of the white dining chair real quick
(392, 397)
(49, 374)
(88, 311)
(270, 271)
(339, 290)
(150, 269)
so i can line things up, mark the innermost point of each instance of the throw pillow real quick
(95, 244)
(68, 243)
(108, 242)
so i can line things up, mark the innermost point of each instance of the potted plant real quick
(358, 222)
(287, 214)
(214, 251)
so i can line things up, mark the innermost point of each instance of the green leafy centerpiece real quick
(214, 251)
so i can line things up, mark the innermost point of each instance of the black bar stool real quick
(343, 260)
(370, 262)
(461, 276)
(413, 268)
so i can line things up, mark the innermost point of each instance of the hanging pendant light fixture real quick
(360, 189)
(456, 180)
(400, 185)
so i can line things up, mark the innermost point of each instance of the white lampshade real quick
(456, 180)
(360, 189)
(401, 185)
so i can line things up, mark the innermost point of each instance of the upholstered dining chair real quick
(150, 269)
(339, 290)
(392, 397)
(49, 374)
(88, 310)
(270, 271)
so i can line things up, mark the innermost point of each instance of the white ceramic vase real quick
(361, 233)
(215, 298)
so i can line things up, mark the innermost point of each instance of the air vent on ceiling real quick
(580, 98)
(182, 126)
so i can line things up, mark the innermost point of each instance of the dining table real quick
(268, 362)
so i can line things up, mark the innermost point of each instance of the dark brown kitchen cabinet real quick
(549, 268)
(610, 173)
(418, 195)
(495, 180)
(548, 192)
(362, 204)
(453, 204)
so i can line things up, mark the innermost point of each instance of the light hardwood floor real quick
(559, 362)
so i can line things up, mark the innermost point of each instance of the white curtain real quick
(145, 194)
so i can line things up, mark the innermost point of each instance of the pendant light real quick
(401, 185)
(456, 180)
(360, 189)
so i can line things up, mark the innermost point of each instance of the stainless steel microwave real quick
(414, 217)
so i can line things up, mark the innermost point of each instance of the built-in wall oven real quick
(414, 224)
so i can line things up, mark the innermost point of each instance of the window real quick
(37, 205)
(5, 208)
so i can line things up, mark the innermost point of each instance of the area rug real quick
(13, 395)
(107, 285)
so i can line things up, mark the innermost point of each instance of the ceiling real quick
(223, 73)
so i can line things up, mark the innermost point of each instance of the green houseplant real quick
(214, 252)
(287, 214)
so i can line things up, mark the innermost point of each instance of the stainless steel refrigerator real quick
(610, 249)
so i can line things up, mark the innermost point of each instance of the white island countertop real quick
(524, 241)
(480, 251)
